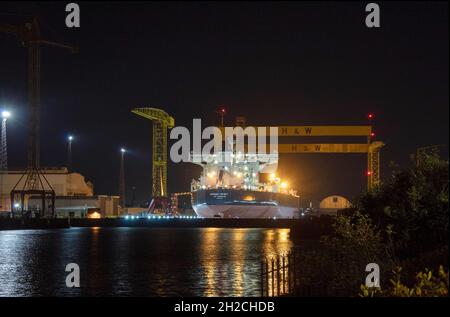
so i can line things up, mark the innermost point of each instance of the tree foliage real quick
(413, 201)
(426, 284)
(401, 223)
(340, 260)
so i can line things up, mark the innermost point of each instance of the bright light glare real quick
(70, 138)
(122, 150)
(6, 114)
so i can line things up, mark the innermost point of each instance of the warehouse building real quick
(74, 195)
(331, 204)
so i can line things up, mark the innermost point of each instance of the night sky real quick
(275, 63)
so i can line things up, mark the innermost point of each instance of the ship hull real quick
(224, 203)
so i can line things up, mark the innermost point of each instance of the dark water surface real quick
(137, 261)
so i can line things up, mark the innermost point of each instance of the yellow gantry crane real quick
(162, 121)
(372, 148)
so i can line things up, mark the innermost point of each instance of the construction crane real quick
(371, 148)
(33, 181)
(162, 121)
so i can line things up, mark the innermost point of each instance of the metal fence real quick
(278, 275)
(303, 272)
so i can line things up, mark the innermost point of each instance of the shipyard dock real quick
(308, 227)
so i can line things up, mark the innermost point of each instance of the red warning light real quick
(369, 173)
(222, 110)
(372, 134)
(370, 116)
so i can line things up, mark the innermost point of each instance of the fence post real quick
(262, 278)
(289, 273)
(284, 273)
(278, 275)
(294, 271)
(273, 277)
(267, 277)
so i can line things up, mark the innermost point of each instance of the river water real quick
(137, 261)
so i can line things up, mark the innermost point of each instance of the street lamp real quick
(122, 178)
(4, 144)
(6, 115)
(69, 153)
(3, 152)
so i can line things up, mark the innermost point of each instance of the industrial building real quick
(331, 204)
(74, 195)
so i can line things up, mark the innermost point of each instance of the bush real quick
(426, 285)
(338, 263)
(413, 207)
(414, 202)
(401, 223)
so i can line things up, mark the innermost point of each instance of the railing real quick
(278, 275)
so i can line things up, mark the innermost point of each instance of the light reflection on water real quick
(230, 258)
(138, 261)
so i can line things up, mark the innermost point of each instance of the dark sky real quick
(275, 63)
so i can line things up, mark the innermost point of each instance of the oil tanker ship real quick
(243, 187)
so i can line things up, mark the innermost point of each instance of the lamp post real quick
(3, 155)
(69, 165)
(222, 112)
(4, 145)
(122, 178)
(69, 153)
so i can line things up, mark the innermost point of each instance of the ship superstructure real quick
(241, 185)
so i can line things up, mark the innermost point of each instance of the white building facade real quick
(74, 195)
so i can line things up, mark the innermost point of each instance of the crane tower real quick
(162, 121)
(33, 182)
